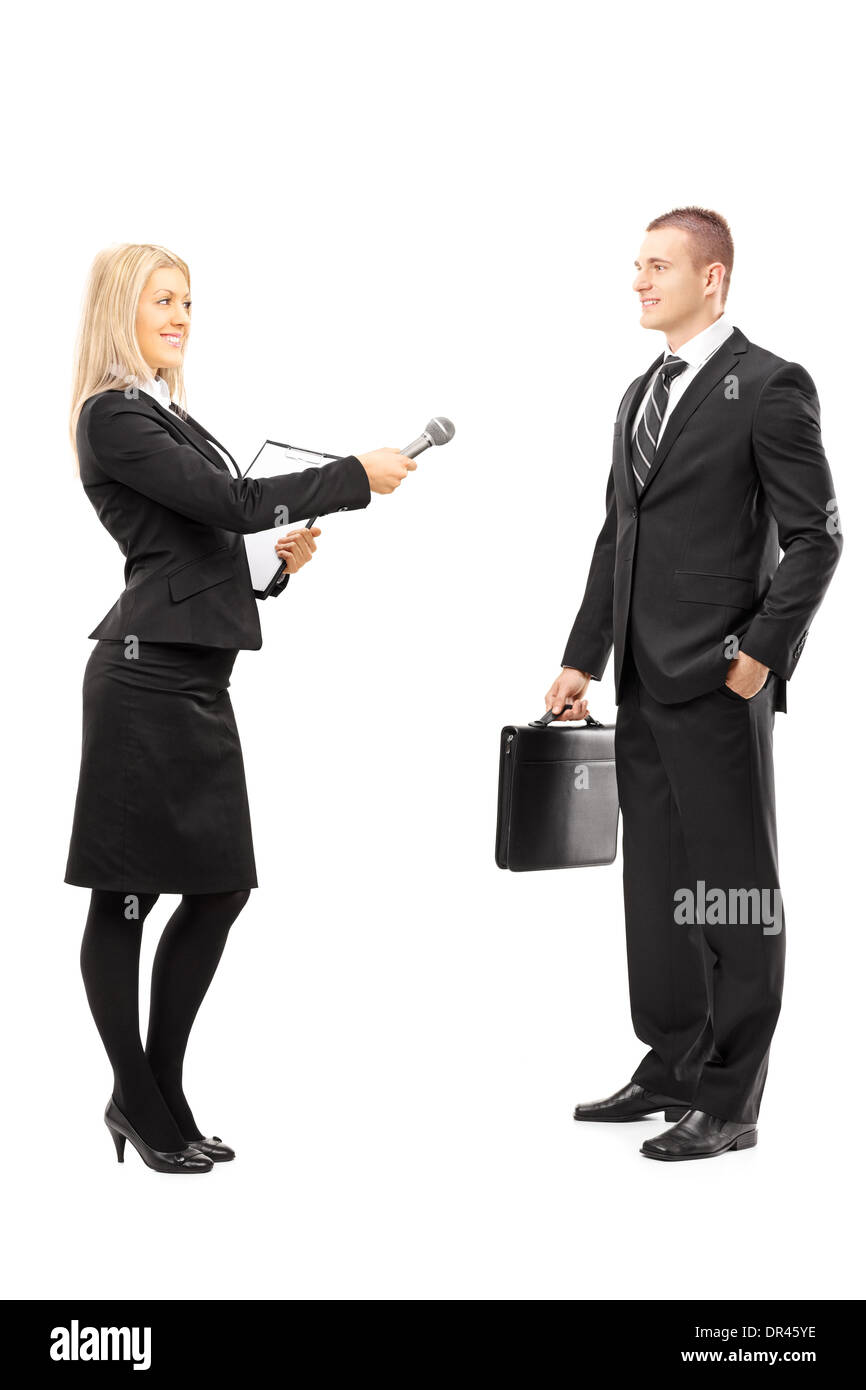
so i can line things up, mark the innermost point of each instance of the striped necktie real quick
(647, 433)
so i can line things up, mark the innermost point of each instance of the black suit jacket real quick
(694, 558)
(178, 514)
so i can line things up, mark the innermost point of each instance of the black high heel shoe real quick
(214, 1148)
(187, 1160)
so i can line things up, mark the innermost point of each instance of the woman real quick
(162, 802)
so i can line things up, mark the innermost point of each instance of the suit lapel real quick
(722, 362)
(192, 431)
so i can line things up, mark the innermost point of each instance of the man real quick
(717, 462)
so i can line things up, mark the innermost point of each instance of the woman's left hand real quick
(296, 547)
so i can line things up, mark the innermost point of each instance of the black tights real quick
(148, 1080)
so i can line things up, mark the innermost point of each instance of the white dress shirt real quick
(156, 387)
(696, 352)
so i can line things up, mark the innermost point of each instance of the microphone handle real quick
(417, 446)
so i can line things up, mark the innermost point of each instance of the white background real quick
(392, 211)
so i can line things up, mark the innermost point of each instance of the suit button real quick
(634, 511)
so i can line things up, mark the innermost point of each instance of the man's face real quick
(673, 295)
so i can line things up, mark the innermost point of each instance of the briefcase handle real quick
(549, 717)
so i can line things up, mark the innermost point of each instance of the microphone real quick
(438, 431)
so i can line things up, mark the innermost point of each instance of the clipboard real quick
(266, 567)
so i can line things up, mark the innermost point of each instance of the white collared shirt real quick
(156, 387)
(697, 351)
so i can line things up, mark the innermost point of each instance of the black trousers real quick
(705, 930)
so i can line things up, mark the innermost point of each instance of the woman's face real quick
(162, 321)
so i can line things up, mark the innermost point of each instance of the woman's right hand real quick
(386, 468)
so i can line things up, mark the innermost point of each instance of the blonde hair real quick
(107, 354)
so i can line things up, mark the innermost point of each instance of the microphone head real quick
(440, 430)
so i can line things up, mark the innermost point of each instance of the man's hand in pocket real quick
(746, 676)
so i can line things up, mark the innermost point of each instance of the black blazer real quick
(178, 514)
(694, 558)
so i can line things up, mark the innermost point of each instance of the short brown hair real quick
(709, 238)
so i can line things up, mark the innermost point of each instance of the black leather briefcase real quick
(558, 802)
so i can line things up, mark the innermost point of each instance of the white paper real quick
(274, 458)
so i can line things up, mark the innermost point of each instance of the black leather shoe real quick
(699, 1135)
(631, 1103)
(188, 1160)
(214, 1148)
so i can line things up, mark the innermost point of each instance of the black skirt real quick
(162, 802)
